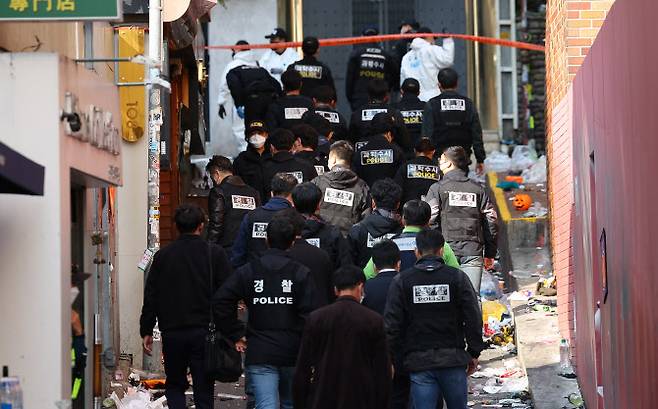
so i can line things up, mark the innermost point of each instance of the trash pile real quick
(500, 387)
(142, 390)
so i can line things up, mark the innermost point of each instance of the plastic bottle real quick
(11, 394)
(565, 364)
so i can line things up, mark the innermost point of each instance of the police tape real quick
(333, 42)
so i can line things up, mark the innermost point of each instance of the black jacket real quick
(377, 159)
(415, 178)
(315, 158)
(285, 162)
(287, 111)
(314, 74)
(462, 210)
(329, 238)
(451, 119)
(178, 291)
(254, 88)
(364, 235)
(360, 125)
(346, 198)
(249, 166)
(318, 262)
(376, 291)
(228, 203)
(336, 120)
(432, 315)
(411, 108)
(365, 64)
(278, 292)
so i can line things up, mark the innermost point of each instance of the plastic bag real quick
(523, 157)
(489, 287)
(497, 162)
(537, 172)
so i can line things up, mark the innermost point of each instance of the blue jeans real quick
(472, 266)
(271, 385)
(428, 386)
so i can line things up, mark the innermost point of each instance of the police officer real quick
(384, 222)
(379, 157)
(249, 163)
(279, 295)
(451, 119)
(314, 73)
(250, 241)
(253, 88)
(306, 145)
(417, 175)
(360, 122)
(365, 64)
(324, 101)
(463, 212)
(283, 161)
(411, 108)
(228, 202)
(288, 110)
(277, 60)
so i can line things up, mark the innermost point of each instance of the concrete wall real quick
(249, 20)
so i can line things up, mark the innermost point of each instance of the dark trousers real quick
(183, 349)
(400, 391)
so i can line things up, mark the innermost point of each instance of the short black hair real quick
(425, 145)
(411, 86)
(343, 150)
(377, 89)
(281, 139)
(424, 30)
(324, 93)
(188, 217)
(310, 45)
(294, 218)
(381, 123)
(282, 184)
(458, 156)
(319, 123)
(348, 277)
(291, 80)
(220, 163)
(280, 233)
(386, 194)
(448, 78)
(385, 254)
(306, 197)
(416, 213)
(307, 135)
(429, 242)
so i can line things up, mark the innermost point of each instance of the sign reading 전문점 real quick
(60, 10)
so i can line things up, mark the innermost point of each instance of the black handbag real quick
(223, 362)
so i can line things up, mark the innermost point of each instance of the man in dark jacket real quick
(366, 64)
(418, 174)
(249, 164)
(253, 88)
(283, 161)
(379, 157)
(306, 147)
(343, 360)
(181, 271)
(433, 318)
(361, 120)
(411, 108)
(314, 73)
(451, 119)
(250, 242)
(346, 197)
(306, 198)
(324, 100)
(278, 292)
(383, 223)
(228, 202)
(287, 111)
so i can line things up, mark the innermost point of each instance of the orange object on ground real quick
(522, 202)
(517, 179)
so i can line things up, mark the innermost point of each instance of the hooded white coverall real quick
(423, 62)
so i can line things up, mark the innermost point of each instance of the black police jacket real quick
(336, 120)
(228, 203)
(315, 158)
(329, 238)
(462, 210)
(365, 64)
(314, 74)
(285, 162)
(360, 125)
(416, 176)
(253, 88)
(377, 159)
(279, 295)
(451, 119)
(287, 111)
(379, 225)
(249, 166)
(411, 109)
(432, 316)
(318, 262)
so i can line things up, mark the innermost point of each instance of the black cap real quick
(382, 123)
(413, 23)
(256, 126)
(411, 86)
(310, 45)
(370, 31)
(278, 33)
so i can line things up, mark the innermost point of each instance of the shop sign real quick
(92, 125)
(52, 10)
(132, 99)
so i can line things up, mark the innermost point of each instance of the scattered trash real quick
(520, 295)
(576, 399)
(523, 157)
(522, 201)
(497, 162)
(547, 286)
(507, 186)
(490, 287)
(537, 172)
(536, 210)
(516, 179)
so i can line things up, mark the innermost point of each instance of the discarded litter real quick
(490, 288)
(523, 157)
(497, 162)
(536, 210)
(537, 172)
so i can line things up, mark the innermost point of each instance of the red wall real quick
(614, 117)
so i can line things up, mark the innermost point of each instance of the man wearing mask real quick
(411, 108)
(424, 61)
(314, 72)
(277, 60)
(229, 201)
(288, 110)
(249, 164)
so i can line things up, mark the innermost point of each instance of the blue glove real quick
(240, 111)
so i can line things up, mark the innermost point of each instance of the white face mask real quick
(257, 140)
(75, 291)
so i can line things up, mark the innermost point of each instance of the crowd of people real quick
(356, 247)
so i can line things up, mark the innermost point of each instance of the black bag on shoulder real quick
(223, 362)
